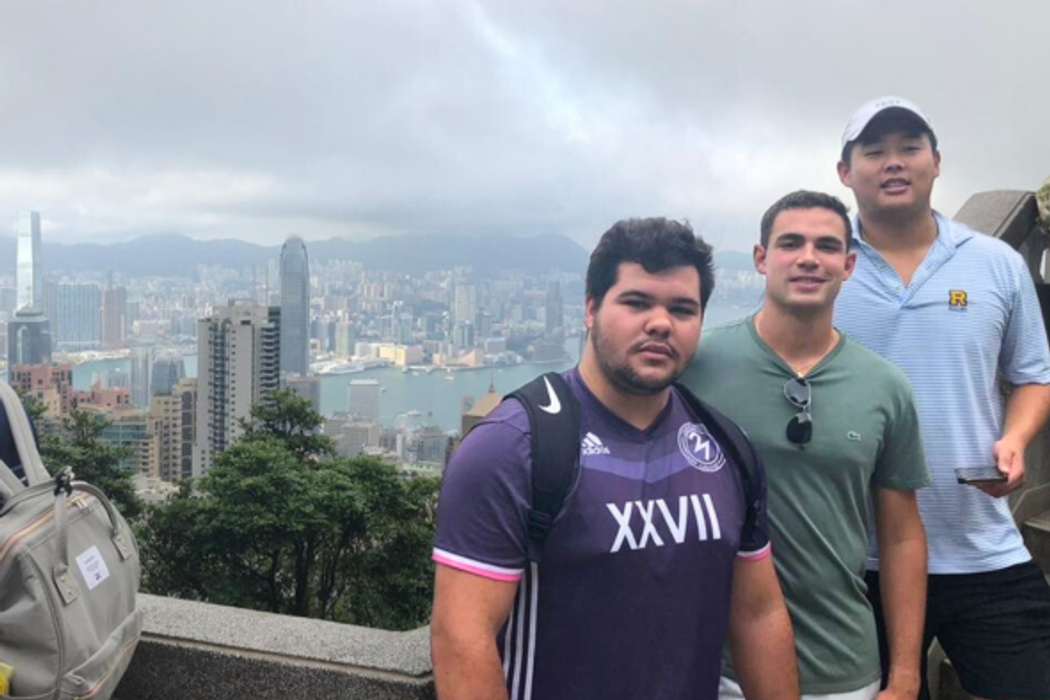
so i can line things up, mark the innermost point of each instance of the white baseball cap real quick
(869, 110)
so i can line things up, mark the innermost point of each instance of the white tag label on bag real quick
(93, 567)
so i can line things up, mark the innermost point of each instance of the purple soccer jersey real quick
(632, 597)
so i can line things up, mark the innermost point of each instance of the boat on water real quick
(325, 367)
(338, 367)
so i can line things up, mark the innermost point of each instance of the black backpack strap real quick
(733, 440)
(554, 422)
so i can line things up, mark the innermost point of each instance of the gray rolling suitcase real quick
(69, 572)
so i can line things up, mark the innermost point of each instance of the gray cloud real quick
(258, 119)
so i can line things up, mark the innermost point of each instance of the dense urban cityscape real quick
(197, 352)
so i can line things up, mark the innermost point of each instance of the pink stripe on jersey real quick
(496, 573)
(757, 555)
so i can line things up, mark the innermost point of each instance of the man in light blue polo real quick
(955, 310)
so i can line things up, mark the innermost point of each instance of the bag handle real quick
(23, 436)
(66, 585)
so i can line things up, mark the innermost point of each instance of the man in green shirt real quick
(837, 429)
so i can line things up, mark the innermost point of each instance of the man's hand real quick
(1027, 409)
(899, 693)
(1009, 458)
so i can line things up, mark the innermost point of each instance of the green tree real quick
(280, 524)
(76, 442)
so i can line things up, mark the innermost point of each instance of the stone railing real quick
(197, 651)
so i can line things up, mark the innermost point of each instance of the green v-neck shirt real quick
(865, 436)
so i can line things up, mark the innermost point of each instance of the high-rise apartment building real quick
(141, 369)
(172, 431)
(75, 313)
(554, 309)
(51, 385)
(28, 339)
(167, 371)
(238, 363)
(29, 276)
(344, 338)
(465, 306)
(114, 317)
(295, 307)
(364, 399)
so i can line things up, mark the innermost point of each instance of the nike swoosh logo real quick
(554, 406)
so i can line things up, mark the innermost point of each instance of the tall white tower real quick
(238, 363)
(29, 276)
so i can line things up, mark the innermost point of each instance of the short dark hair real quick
(806, 199)
(656, 244)
(882, 125)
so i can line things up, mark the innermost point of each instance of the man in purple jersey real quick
(654, 559)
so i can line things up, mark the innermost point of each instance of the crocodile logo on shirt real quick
(699, 448)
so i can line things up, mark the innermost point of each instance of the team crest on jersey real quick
(699, 448)
(957, 300)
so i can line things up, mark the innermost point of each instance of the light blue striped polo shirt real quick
(970, 311)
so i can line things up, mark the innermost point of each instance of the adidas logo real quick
(592, 445)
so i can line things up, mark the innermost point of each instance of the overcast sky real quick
(262, 118)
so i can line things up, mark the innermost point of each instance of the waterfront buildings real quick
(465, 304)
(28, 338)
(75, 314)
(114, 317)
(238, 362)
(364, 399)
(295, 307)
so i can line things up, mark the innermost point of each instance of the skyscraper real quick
(555, 309)
(238, 363)
(114, 316)
(28, 339)
(364, 399)
(75, 313)
(465, 306)
(29, 274)
(344, 338)
(141, 369)
(167, 370)
(172, 429)
(295, 307)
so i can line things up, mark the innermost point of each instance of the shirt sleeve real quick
(482, 519)
(754, 537)
(901, 463)
(1025, 356)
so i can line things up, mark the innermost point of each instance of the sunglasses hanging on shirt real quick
(799, 394)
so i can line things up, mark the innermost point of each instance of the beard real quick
(622, 375)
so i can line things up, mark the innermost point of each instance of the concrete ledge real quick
(200, 651)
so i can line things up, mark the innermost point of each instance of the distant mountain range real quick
(176, 255)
